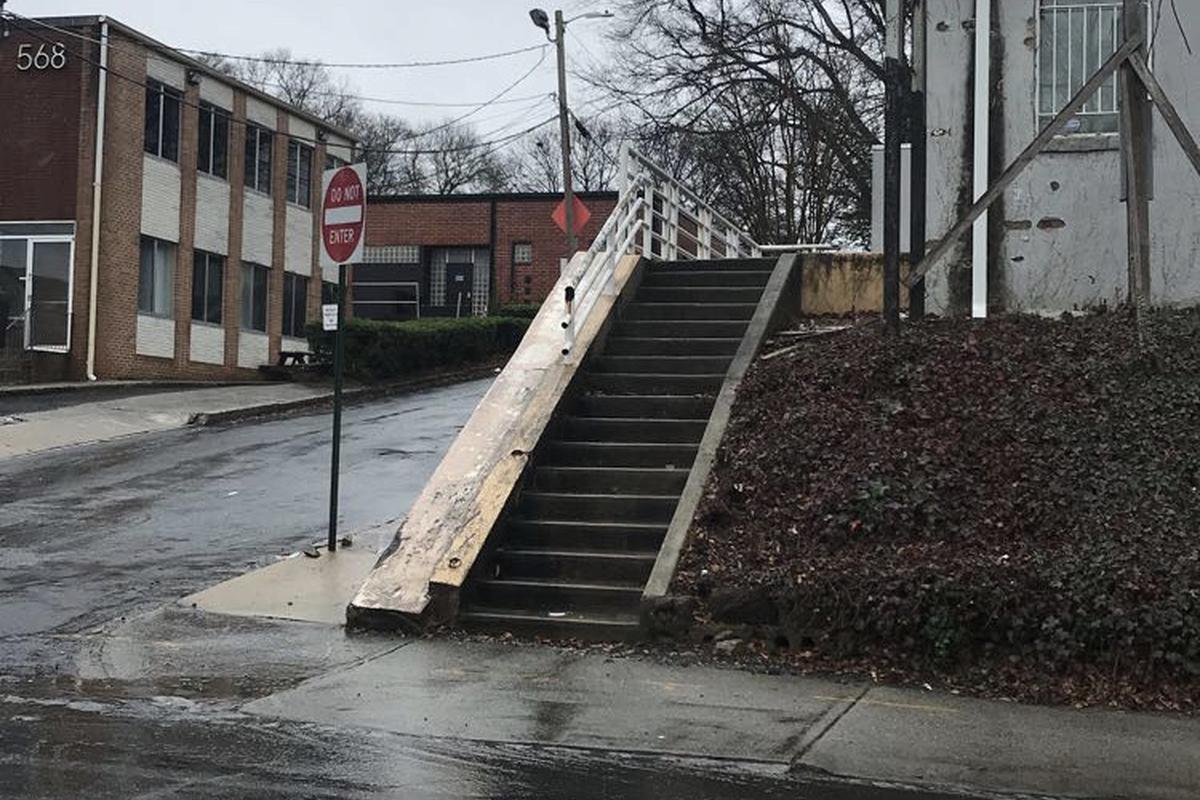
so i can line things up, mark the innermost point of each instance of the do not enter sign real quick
(343, 215)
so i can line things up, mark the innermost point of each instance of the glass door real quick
(14, 265)
(49, 287)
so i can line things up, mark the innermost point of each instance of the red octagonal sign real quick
(344, 214)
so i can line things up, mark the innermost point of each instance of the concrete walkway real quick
(25, 432)
(518, 694)
(512, 694)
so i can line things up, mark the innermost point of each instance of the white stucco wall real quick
(1059, 241)
(208, 344)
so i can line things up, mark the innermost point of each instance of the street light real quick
(542, 20)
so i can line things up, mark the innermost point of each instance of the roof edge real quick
(191, 63)
(483, 197)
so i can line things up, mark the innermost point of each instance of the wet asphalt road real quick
(104, 693)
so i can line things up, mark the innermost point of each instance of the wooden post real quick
(891, 168)
(1136, 153)
(918, 136)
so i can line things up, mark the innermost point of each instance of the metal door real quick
(460, 278)
(48, 323)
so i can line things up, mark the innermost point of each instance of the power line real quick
(419, 103)
(448, 62)
(233, 121)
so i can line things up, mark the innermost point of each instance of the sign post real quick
(343, 214)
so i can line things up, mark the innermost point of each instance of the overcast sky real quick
(377, 31)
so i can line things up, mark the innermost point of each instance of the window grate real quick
(1076, 37)
(393, 254)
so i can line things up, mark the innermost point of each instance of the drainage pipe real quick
(97, 194)
(983, 73)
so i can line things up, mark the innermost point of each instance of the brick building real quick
(463, 254)
(204, 261)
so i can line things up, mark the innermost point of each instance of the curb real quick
(359, 394)
(87, 388)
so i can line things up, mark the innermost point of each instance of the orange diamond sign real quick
(582, 215)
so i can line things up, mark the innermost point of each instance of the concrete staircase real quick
(572, 556)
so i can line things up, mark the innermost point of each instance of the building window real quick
(254, 296)
(1077, 37)
(258, 158)
(299, 174)
(333, 162)
(162, 121)
(295, 304)
(329, 293)
(208, 284)
(392, 254)
(523, 253)
(213, 157)
(156, 277)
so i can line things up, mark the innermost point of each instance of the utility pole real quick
(1135, 149)
(564, 130)
(918, 130)
(893, 47)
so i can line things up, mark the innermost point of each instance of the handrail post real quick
(705, 216)
(648, 215)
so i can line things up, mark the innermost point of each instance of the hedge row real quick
(378, 350)
(518, 310)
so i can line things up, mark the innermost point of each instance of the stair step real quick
(729, 264)
(662, 406)
(584, 566)
(571, 625)
(619, 454)
(631, 429)
(555, 595)
(699, 294)
(630, 346)
(681, 329)
(663, 365)
(626, 537)
(599, 507)
(701, 277)
(610, 480)
(653, 383)
(689, 311)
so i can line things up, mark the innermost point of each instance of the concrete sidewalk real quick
(504, 693)
(112, 410)
(103, 419)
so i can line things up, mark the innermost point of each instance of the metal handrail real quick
(647, 221)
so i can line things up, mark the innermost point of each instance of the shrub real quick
(379, 350)
(518, 310)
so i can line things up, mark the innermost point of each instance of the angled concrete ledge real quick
(416, 583)
(661, 613)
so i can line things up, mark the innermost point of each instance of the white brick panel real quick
(258, 228)
(212, 214)
(254, 349)
(298, 242)
(302, 129)
(208, 344)
(171, 73)
(217, 93)
(160, 198)
(155, 336)
(261, 113)
(294, 344)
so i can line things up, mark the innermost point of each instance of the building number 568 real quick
(53, 58)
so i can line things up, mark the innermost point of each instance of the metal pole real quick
(918, 129)
(339, 364)
(564, 130)
(891, 170)
(982, 155)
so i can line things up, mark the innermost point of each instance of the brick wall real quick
(466, 221)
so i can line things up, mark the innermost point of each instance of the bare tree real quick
(537, 164)
(772, 104)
